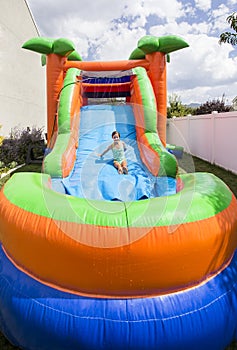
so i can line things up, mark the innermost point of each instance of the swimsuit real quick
(118, 153)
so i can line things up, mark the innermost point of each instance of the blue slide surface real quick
(96, 178)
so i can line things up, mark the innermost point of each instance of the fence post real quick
(213, 138)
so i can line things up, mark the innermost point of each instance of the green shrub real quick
(213, 105)
(16, 146)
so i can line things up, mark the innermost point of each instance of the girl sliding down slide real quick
(118, 148)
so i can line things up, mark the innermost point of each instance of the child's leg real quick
(118, 166)
(124, 166)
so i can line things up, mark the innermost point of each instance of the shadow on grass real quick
(187, 163)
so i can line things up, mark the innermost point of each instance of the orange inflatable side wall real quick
(55, 75)
(148, 155)
(107, 65)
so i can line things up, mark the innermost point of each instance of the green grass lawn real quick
(188, 164)
(193, 164)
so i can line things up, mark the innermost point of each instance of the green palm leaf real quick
(39, 44)
(149, 44)
(63, 47)
(137, 54)
(46, 46)
(74, 56)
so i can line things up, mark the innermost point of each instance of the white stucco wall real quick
(22, 83)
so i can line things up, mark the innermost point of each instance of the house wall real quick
(22, 83)
(211, 137)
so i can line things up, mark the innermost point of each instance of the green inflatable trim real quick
(148, 99)
(36, 196)
(65, 100)
(53, 161)
(168, 163)
(202, 197)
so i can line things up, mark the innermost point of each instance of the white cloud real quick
(205, 67)
(203, 5)
(121, 45)
(231, 3)
(165, 9)
(219, 18)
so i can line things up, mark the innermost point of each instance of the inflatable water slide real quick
(92, 259)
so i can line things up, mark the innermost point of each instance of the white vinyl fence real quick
(212, 137)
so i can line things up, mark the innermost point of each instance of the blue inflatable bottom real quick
(37, 317)
(95, 178)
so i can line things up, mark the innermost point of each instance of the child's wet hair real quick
(115, 132)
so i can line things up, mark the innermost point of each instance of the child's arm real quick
(124, 146)
(105, 151)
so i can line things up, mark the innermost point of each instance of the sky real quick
(110, 30)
